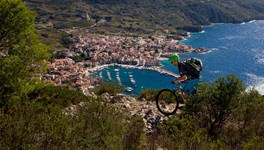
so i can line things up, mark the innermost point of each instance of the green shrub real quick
(231, 115)
(31, 125)
(39, 122)
(53, 95)
(111, 88)
(148, 94)
(135, 136)
(214, 104)
(180, 133)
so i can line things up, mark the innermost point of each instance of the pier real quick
(162, 71)
(168, 73)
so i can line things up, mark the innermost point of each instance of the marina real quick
(136, 79)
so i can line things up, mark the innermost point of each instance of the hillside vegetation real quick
(138, 16)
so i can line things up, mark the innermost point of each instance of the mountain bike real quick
(167, 100)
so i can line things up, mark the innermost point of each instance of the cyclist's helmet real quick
(174, 57)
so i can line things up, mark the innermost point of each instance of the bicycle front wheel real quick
(167, 102)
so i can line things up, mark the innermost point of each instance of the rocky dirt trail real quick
(147, 110)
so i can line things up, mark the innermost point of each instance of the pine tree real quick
(22, 53)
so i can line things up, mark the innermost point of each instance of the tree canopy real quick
(22, 53)
(17, 34)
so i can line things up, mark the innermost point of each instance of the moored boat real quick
(129, 89)
(133, 81)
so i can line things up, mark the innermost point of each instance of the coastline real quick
(210, 75)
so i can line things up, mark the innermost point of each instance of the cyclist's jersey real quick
(189, 71)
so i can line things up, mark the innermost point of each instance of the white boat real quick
(119, 80)
(116, 70)
(109, 76)
(130, 76)
(129, 89)
(133, 81)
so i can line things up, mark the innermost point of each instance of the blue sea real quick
(234, 49)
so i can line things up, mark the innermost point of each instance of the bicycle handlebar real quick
(179, 82)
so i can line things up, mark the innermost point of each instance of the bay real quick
(234, 49)
(143, 78)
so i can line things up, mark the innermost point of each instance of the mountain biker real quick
(187, 73)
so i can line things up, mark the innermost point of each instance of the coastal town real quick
(98, 51)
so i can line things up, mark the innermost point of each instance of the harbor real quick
(135, 79)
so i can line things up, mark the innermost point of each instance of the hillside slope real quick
(141, 16)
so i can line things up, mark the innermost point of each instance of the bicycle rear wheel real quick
(167, 102)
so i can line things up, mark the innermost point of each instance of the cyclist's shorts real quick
(190, 85)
